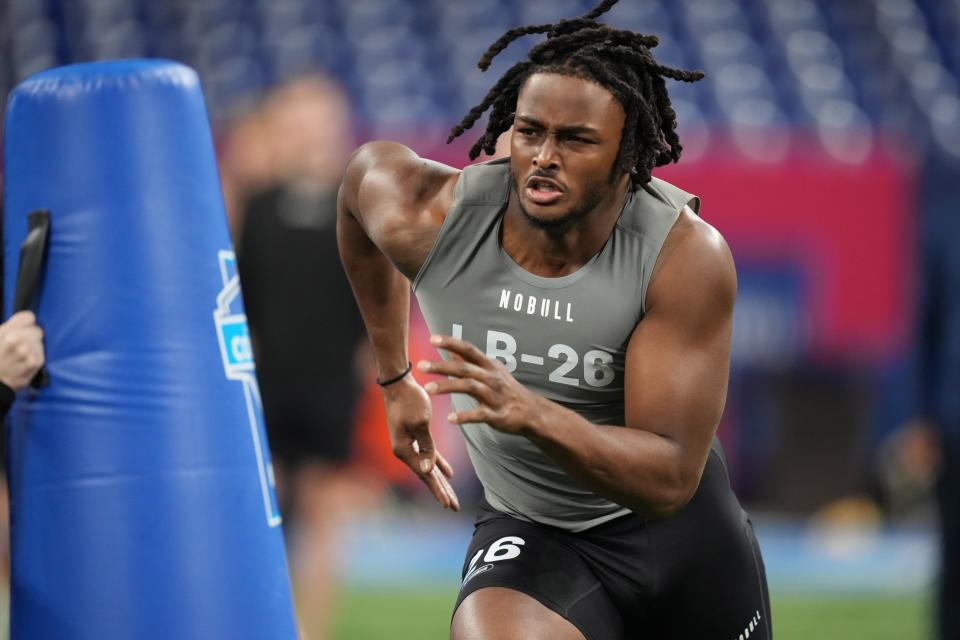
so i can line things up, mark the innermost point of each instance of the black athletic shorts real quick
(697, 574)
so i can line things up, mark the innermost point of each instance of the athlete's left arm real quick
(675, 385)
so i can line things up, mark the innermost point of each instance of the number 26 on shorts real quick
(505, 548)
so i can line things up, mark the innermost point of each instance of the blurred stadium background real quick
(824, 141)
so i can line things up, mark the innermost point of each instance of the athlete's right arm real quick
(390, 208)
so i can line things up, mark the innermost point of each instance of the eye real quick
(526, 131)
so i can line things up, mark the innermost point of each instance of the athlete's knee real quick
(496, 613)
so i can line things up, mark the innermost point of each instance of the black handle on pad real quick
(32, 254)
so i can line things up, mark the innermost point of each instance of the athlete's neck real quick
(552, 254)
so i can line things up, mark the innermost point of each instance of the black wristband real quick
(396, 378)
(7, 396)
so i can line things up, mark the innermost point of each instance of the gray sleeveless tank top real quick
(564, 338)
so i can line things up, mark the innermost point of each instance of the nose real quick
(546, 156)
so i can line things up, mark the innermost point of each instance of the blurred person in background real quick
(305, 328)
(21, 357)
(608, 512)
(926, 451)
(245, 159)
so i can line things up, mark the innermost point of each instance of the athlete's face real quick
(566, 136)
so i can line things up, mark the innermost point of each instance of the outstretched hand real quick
(408, 422)
(502, 402)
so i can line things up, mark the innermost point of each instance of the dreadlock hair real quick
(619, 61)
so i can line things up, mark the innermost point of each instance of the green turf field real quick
(423, 615)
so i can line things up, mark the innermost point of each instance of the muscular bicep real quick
(679, 355)
(398, 199)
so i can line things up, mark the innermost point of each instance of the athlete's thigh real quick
(498, 613)
(520, 580)
(711, 574)
(727, 598)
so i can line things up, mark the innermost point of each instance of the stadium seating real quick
(841, 72)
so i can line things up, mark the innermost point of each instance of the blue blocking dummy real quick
(141, 487)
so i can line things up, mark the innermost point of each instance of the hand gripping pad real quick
(141, 488)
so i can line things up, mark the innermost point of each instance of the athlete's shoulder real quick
(695, 258)
(399, 199)
(391, 173)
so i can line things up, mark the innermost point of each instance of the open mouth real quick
(543, 191)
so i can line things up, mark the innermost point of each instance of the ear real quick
(624, 164)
